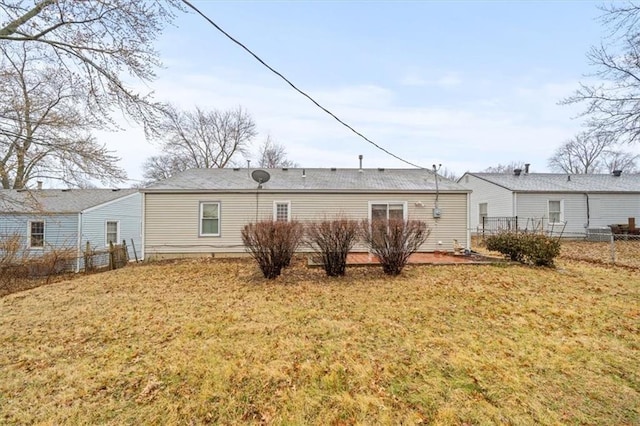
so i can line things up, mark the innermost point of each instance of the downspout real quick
(78, 251)
(469, 221)
(588, 212)
(142, 222)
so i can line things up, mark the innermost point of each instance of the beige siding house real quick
(202, 211)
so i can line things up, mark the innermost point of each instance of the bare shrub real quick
(10, 249)
(332, 240)
(394, 240)
(272, 244)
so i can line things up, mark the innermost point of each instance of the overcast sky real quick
(464, 84)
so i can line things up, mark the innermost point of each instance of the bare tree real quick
(505, 168)
(44, 133)
(200, 139)
(273, 154)
(96, 42)
(591, 152)
(582, 154)
(612, 105)
(619, 160)
(449, 174)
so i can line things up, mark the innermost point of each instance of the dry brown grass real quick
(627, 253)
(211, 341)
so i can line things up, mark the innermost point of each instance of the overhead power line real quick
(230, 37)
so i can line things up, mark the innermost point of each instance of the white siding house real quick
(54, 219)
(202, 211)
(555, 201)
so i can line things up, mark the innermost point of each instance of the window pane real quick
(112, 232)
(37, 234)
(554, 211)
(378, 212)
(210, 211)
(396, 211)
(209, 226)
(282, 212)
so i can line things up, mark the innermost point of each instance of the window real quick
(281, 211)
(555, 211)
(386, 211)
(112, 232)
(482, 212)
(36, 234)
(210, 219)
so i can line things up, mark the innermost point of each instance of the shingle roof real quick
(561, 182)
(57, 200)
(298, 179)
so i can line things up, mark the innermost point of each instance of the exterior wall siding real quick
(172, 220)
(609, 209)
(534, 206)
(127, 211)
(499, 200)
(60, 231)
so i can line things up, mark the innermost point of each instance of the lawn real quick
(210, 341)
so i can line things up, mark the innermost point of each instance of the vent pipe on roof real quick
(517, 172)
(39, 185)
(526, 168)
(304, 173)
(617, 173)
(360, 158)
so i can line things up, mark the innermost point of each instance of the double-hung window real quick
(112, 232)
(282, 211)
(210, 219)
(555, 211)
(36, 234)
(387, 211)
(482, 212)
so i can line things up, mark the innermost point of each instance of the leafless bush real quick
(10, 249)
(394, 240)
(272, 244)
(332, 240)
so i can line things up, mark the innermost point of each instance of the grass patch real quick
(213, 342)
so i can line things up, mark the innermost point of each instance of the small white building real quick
(202, 211)
(554, 201)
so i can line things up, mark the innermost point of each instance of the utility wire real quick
(188, 3)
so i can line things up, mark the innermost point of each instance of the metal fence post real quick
(613, 248)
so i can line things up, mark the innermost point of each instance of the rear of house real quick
(556, 203)
(202, 211)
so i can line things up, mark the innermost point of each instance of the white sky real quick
(465, 84)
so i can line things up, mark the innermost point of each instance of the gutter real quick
(79, 242)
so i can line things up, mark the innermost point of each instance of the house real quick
(55, 219)
(555, 202)
(202, 211)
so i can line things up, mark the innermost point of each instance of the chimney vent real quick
(526, 168)
(360, 158)
(304, 173)
(617, 173)
(568, 178)
(517, 172)
(39, 185)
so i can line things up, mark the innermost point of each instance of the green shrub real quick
(530, 248)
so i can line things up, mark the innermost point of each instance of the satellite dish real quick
(260, 176)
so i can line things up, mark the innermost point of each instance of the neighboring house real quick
(202, 211)
(554, 201)
(56, 219)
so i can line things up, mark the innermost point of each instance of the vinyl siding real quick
(127, 211)
(172, 220)
(499, 200)
(609, 209)
(534, 206)
(60, 231)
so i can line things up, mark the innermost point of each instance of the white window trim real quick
(200, 233)
(405, 210)
(275, 209)
(44, 234)
(561, 212)
(106, 238)
(480, 211)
